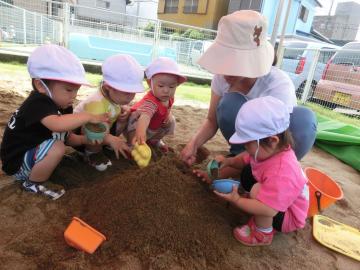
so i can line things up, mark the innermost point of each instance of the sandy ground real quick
(161, 217)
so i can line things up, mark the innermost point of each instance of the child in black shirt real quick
(35, 137)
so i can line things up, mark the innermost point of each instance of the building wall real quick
(208, 16)
(343, 26)
(305, 26)
(105, 15)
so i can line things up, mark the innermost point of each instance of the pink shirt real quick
(283, 187)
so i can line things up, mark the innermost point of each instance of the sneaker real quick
(250, 236)
(99, 161)
(54, 192)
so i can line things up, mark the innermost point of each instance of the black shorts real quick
(247, 181)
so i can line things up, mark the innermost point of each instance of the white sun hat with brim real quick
(241, 47)
(123, 73)
(164, 65)
(53, 62)
(260, 118)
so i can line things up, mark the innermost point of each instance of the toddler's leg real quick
(45, 167)
(39, 163)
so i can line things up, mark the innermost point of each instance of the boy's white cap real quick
(260, 118)
(164, 65)
(53, 62)
(241, 47)
(123, 73)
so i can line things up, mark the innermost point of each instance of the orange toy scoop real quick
(82, 236)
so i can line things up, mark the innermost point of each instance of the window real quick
(245, 4)
(102, 4)
(304, 12)
(171, 6)
(191, 6)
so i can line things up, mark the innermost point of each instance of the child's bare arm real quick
(236, 162)
(249, 205)
(61, 123)
(141, 127)
(76, 140)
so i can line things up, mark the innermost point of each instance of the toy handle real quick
(318, 197)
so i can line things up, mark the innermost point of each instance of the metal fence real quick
(328, 78)
(21, 26)
(94, 34)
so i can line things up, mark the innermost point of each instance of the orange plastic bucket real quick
(82, 236)
(323, 191)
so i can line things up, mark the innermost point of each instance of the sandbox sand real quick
(160, 217)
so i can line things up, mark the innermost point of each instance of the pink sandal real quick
(249, 236)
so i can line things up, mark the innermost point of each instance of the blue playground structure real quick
(99, 48)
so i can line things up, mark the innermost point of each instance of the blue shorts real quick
(32, 157)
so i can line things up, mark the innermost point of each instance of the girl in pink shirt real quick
(278, 191)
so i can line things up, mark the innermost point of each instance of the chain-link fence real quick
(326, 77)
(20, 26)
(95, 33)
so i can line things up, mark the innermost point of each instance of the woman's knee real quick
(303, 125)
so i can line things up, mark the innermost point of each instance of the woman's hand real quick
(202, 175)
(231, 197)
(188, 154)
(118, 145)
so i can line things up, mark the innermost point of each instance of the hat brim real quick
(128, 88)
(182, 78)
(223, 60)
(236, 139)
(72, 81)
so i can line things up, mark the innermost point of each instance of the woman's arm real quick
(206, 131)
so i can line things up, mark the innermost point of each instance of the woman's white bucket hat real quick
(53, 62)
(241, 47)
(260, 118)
(122, 72)
(164, 65)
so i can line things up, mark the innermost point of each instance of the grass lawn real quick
(186, 91)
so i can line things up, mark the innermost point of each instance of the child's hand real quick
(223, 161)
(231, 197)
(119, 146)
(124, 115)
(203, 176)
(99, 118)
(139, 138)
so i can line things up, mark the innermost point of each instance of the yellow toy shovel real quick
(141, 154)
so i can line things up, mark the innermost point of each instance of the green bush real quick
(193, 34)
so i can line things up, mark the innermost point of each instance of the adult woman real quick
(241, 57)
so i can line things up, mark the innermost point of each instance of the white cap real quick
(123, 73)
(164, 65)
(241, 47)
(260, 118)
(53, 62)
